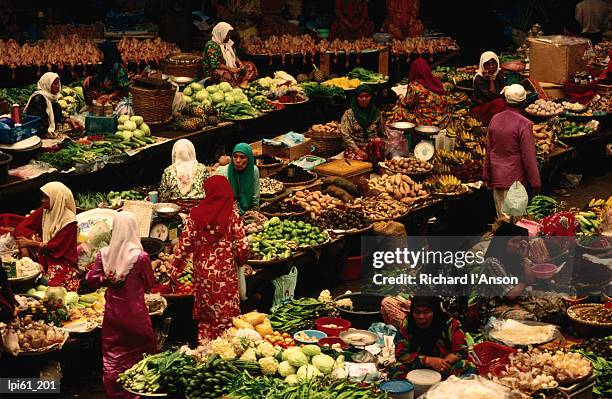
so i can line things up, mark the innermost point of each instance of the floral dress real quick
(213, 59)
(215, 278)
(169, 189)
(423, 107)
(353, 134)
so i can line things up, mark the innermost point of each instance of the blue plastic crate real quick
(28, 129)
(95, 125)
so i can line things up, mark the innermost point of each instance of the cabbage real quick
(289, 351)
(224, 86)
(138, 133)
(201, 95)
(311, 350)
(130, 125)
(323, 363)
(307, 373)
(297, 359)
(196, 86)
(339, 362)
(145, 128)
(120, 128)
(71, 297)
(188, 91)
(137, 119)
(123, 118)
(218, 97)
(237, 90)
(229, 100)
(285, 369)
(212, 89)
(292, 379)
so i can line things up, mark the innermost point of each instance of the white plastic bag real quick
(516, 200)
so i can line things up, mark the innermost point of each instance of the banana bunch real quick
(452, 157)
(446, 184)
(541, 206)
(600, 205)
(480, 151)
(589, 222)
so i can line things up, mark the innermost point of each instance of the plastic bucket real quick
(398, 389)
(352, 268)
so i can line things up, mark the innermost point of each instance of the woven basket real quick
(326, 144)
(154, 105)
(588, 328)
(183, 64)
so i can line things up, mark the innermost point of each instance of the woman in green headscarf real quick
(243, 176)
(360, 124)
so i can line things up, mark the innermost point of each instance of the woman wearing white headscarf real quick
(125, 268)
(49, 236)
(220, 60)
(184, 179)
(43, 103)
(488, 83)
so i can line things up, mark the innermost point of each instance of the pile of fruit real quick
(461, 121)
(134, 132)
(444, 184)
(573, 107)
(541, 206)
(544, 109)
(398, 187)
(315, 202)
(343, 83)
(282, 207)
(131, 195)
(300, 233)
(196, 117)
(588, 222)
(253, 222)
(163, 268)
(408, 166)
(544, 138)
(350, 219)
(572, 129)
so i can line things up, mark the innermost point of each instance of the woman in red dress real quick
(214, 235)
(49, 236)
(352, 20)
(127, 331)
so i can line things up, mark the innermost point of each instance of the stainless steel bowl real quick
(166, 209)
(431, 130)
(402, 125)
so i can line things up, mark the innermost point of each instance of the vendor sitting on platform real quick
(43, 103)
(243, 176)
(49, 236)
(432, 339)
(351, 21)
(111, 82)
(220, 61)
(361, 125)
(424, 103)
(488, 84)
(184, 179)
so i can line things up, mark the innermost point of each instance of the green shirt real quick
(223, 171)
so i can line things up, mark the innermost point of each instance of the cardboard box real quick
(290, 153)
(554, 58)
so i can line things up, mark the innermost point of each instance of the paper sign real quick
(143, 211)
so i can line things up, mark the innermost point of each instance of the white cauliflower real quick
(325, 297)
(268, 365)
(345, 303)
(249, 355)
(223, 348)
(265, 349)
(240, 344)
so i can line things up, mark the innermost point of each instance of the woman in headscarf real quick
(403, 18)
(220, 60)
(43, 103)
(488, 84)
(352, 21)
(111, 83)
(214, 236)
(361, 124)
(424, 103)
(184, 179)
(49, 236)
(127, 333)
(432, 339)
(243, 177)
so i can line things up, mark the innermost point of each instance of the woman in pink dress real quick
(127, 332)
(214, 234)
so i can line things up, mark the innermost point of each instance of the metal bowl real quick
(402, 125)
(429, 130)
(182, 80)
(166, 209)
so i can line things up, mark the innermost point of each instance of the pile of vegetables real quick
(34, 335)
(343, 83)
(315, 202)
(133, 131)
(17, 95)
(91, 200)
(71, 153)
(298, 314)
(367, 76)
(253, 222)
(541, 206)
(544, 109)
(71, 100)
(300, 175)
(282, 207)
(377, 208)
(314, 89)
(219, 96)
(350, 219)
(572, 129)
(396, 186)
(599, 352)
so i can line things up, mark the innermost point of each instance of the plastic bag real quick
(516, 200)
(396, 144)
(10, 341)
(284, 287)
(242, 288)
(381, 330)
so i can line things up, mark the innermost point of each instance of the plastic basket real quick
(490, 355)
(100, 124)
(9, 221)
(28, 129)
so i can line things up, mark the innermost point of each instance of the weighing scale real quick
(166, 229)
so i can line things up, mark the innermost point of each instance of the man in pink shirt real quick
(511, 152)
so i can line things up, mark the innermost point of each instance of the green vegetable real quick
(323, 363)
(311, 350)
(297, 359)
(366, 75)
(285, 369)
(307, 373)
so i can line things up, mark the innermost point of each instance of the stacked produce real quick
(573, 107)
(231, 103)
(314, 89)
(17, 95)
(367, 76)
(134, 132)
(288, 95)
(599, 352)
(541, 206)
(381, 208)
(601, 103)
(282, 206)
(163, 267)
(196, 117)
(253, 222)
(329, 128)
(573, 129)
(461, 121)
(350, 219)
(71, 100)
(588, 222)
(398, 187)
(71, 153)
(544, 108)
(340, 188)
(315, 202)
(544, 138)
(408, 166)
(36, 335)
(300, 233)
(132, 195)
(298, 314)
(343, 83)
(444, 184)
(459, 163)
(270, 186)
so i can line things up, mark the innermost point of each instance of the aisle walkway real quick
(595, 187)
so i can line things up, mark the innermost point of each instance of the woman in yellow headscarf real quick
(49, 236)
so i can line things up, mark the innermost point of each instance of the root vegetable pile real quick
(351, 219)
(378, 208)
(409, 165)
(315, 202)
(399, 187)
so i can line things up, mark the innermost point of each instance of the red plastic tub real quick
(342, 325)
(352, 268)
(490, 355)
